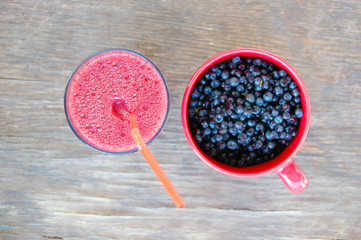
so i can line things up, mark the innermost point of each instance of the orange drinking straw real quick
(143, 148)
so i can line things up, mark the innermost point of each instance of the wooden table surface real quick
(52, 186)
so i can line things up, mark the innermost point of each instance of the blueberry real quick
(251, 123)
(239, 125)
(274, 113)
(230, 100)
(297, 99)
(191, 112)
(284, 82)
(258, 82)
(235, 94)
(232, 145)
(223, 131)
(198, 138)
(207, 74)
(256, 109)
(203, 81)
(268, 96)
(295, 92)
(215, 83)
(219, 137)
(271, 145)
(212, 152)
(257, 62)
(266, 150)
(207, 131)
(216, 102)
(299, 112)
(221, 145)
(214, 68)
(240, 88)
(268, 135)
(255, 70)
(286, 107)
(278, 119)
(216, 94)
(225, 74)
(234, 82)
(278, 91)
(282, 73)
(248, 60)
(207, 90)
(259, 144)
(236, 60)
(238, 73)
(288, 137)
(212, 76)
(265, 85)
(193, 103)
(233, 131)
(223, 98)
(282, 135)
(224, 124)
(289, 129)
(279, 128)
(202, 113)
(259, 101)
(243, 79)
(272, 124)
(293, 119)
(222, 65)
(274, 135)
(232, 66)
(250, 132)
(219, 72)
(250, 98)
(242, 138)
(248, 111)
(213, 124)
(266, 116)
(195, 94)
(276, 74)
(234, 115)
(219, 118)
(265, 64)
(226, 87)
(282, 101)
(205, 124)
(260, 127)
(239, 109)
(293, 85)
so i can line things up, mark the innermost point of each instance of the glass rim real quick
(66, 94)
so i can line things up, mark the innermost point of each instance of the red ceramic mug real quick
(283, 164)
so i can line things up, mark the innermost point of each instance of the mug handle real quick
(293, 177)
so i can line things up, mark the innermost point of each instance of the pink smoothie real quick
(105, 77)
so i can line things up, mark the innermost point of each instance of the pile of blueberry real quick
(244, 111)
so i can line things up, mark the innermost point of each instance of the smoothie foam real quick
(105, 77)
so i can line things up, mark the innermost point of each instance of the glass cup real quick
(85, 63)
(283, 164)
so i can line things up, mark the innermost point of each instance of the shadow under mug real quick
(283, 164)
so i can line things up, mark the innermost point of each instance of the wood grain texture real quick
(53, 186)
